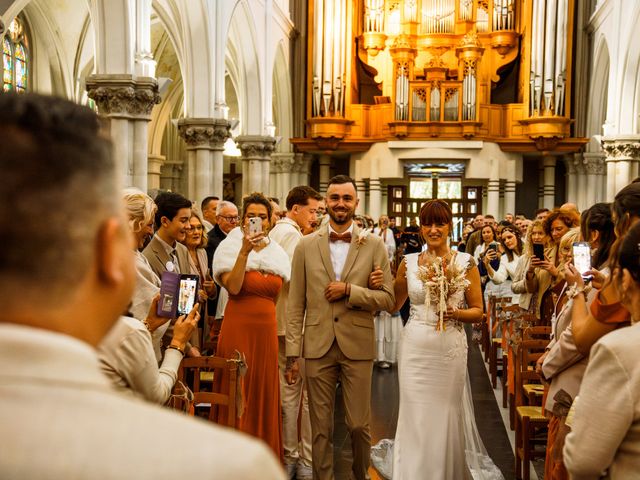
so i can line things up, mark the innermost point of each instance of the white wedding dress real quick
(436, 437)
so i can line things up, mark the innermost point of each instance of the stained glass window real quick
(15, 58)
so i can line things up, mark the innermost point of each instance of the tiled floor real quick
(384, 413)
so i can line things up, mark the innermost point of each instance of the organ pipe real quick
(548, 57)
(329, 57)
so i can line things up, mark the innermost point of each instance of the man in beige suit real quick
(62, 289)
(330, 298)
(165, 251)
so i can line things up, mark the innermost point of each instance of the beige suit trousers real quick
(355, 377)
(295, 405)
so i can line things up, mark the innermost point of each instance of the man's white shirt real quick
(339, 251)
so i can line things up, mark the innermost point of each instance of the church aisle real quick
(384, 416)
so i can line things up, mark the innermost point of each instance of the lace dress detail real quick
(436, 436)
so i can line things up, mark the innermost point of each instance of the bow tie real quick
(340, 237)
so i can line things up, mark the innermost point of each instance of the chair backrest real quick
(536, 333)
(529, 351)
(190, 374)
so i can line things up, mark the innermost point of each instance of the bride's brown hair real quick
(438, 212)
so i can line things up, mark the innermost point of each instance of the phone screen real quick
(582, 257)
(187, 294)
(538, 251)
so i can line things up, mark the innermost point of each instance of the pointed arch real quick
(599, 91)
(282, 98)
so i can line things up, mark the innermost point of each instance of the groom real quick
(329, 299)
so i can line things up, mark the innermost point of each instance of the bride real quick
(436, 436)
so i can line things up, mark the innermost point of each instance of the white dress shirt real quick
(339, 251)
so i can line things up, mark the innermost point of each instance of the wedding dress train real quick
(436, 436)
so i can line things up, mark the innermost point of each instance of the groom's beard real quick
(341, 216)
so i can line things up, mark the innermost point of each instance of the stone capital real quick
(204, 133)
(282, 163)
(622, 148)
(594, 163)
(570, 163)
(302, 163)
(125, 96)
(256, 147)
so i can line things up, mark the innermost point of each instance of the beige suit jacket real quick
(349, 321)
(605, 435)
(158, 257)
(61, 418)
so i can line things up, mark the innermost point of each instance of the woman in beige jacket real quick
(605, 436)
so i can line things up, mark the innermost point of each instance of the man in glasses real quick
(226, 220)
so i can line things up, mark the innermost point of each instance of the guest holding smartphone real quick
(253, 270)
(196, 240)
(535, 246)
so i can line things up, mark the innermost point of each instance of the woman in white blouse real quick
(506, 272)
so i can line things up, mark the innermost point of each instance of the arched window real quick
(15, 58)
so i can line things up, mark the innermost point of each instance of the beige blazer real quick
(349, 321)
(605, 435)
(158, 257)
(61, 418)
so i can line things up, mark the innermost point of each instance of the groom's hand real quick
(291, 371)
(336, 291)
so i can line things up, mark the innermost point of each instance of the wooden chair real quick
(531, 428)
(202, 372)
(497, 313)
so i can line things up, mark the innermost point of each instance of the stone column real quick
(375, 195)
(572, 178)
(510, 197)
(303, 165)
(256, 156)
(155, 163)
(622, 157)
(127, 101)
(549, 187)
(581, 182)
(595, 168)
(205, 138)
(360, 186)
(325, 172)
(283, 165)
(493, 189)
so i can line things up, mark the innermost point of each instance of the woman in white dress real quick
(436, 435)
(387, 325)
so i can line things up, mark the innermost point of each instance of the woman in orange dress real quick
(253, 269)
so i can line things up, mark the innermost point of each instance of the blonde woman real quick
(128, 354)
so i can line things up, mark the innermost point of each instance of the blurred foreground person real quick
(62, 288)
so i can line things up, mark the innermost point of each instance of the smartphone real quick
(582, 258)
(538, 251)
(178, 294)
(168, 303)
(493, 246)
(187, 293)
(255, 225)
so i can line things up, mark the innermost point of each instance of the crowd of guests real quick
(85, 275)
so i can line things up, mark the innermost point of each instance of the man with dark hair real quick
(329, 294)
(475, 237)
(490, 220)
(541, 214)
(62, 289)
(164, 251)
(208, 208)
(302, 203)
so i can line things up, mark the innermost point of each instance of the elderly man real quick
(62, 289)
